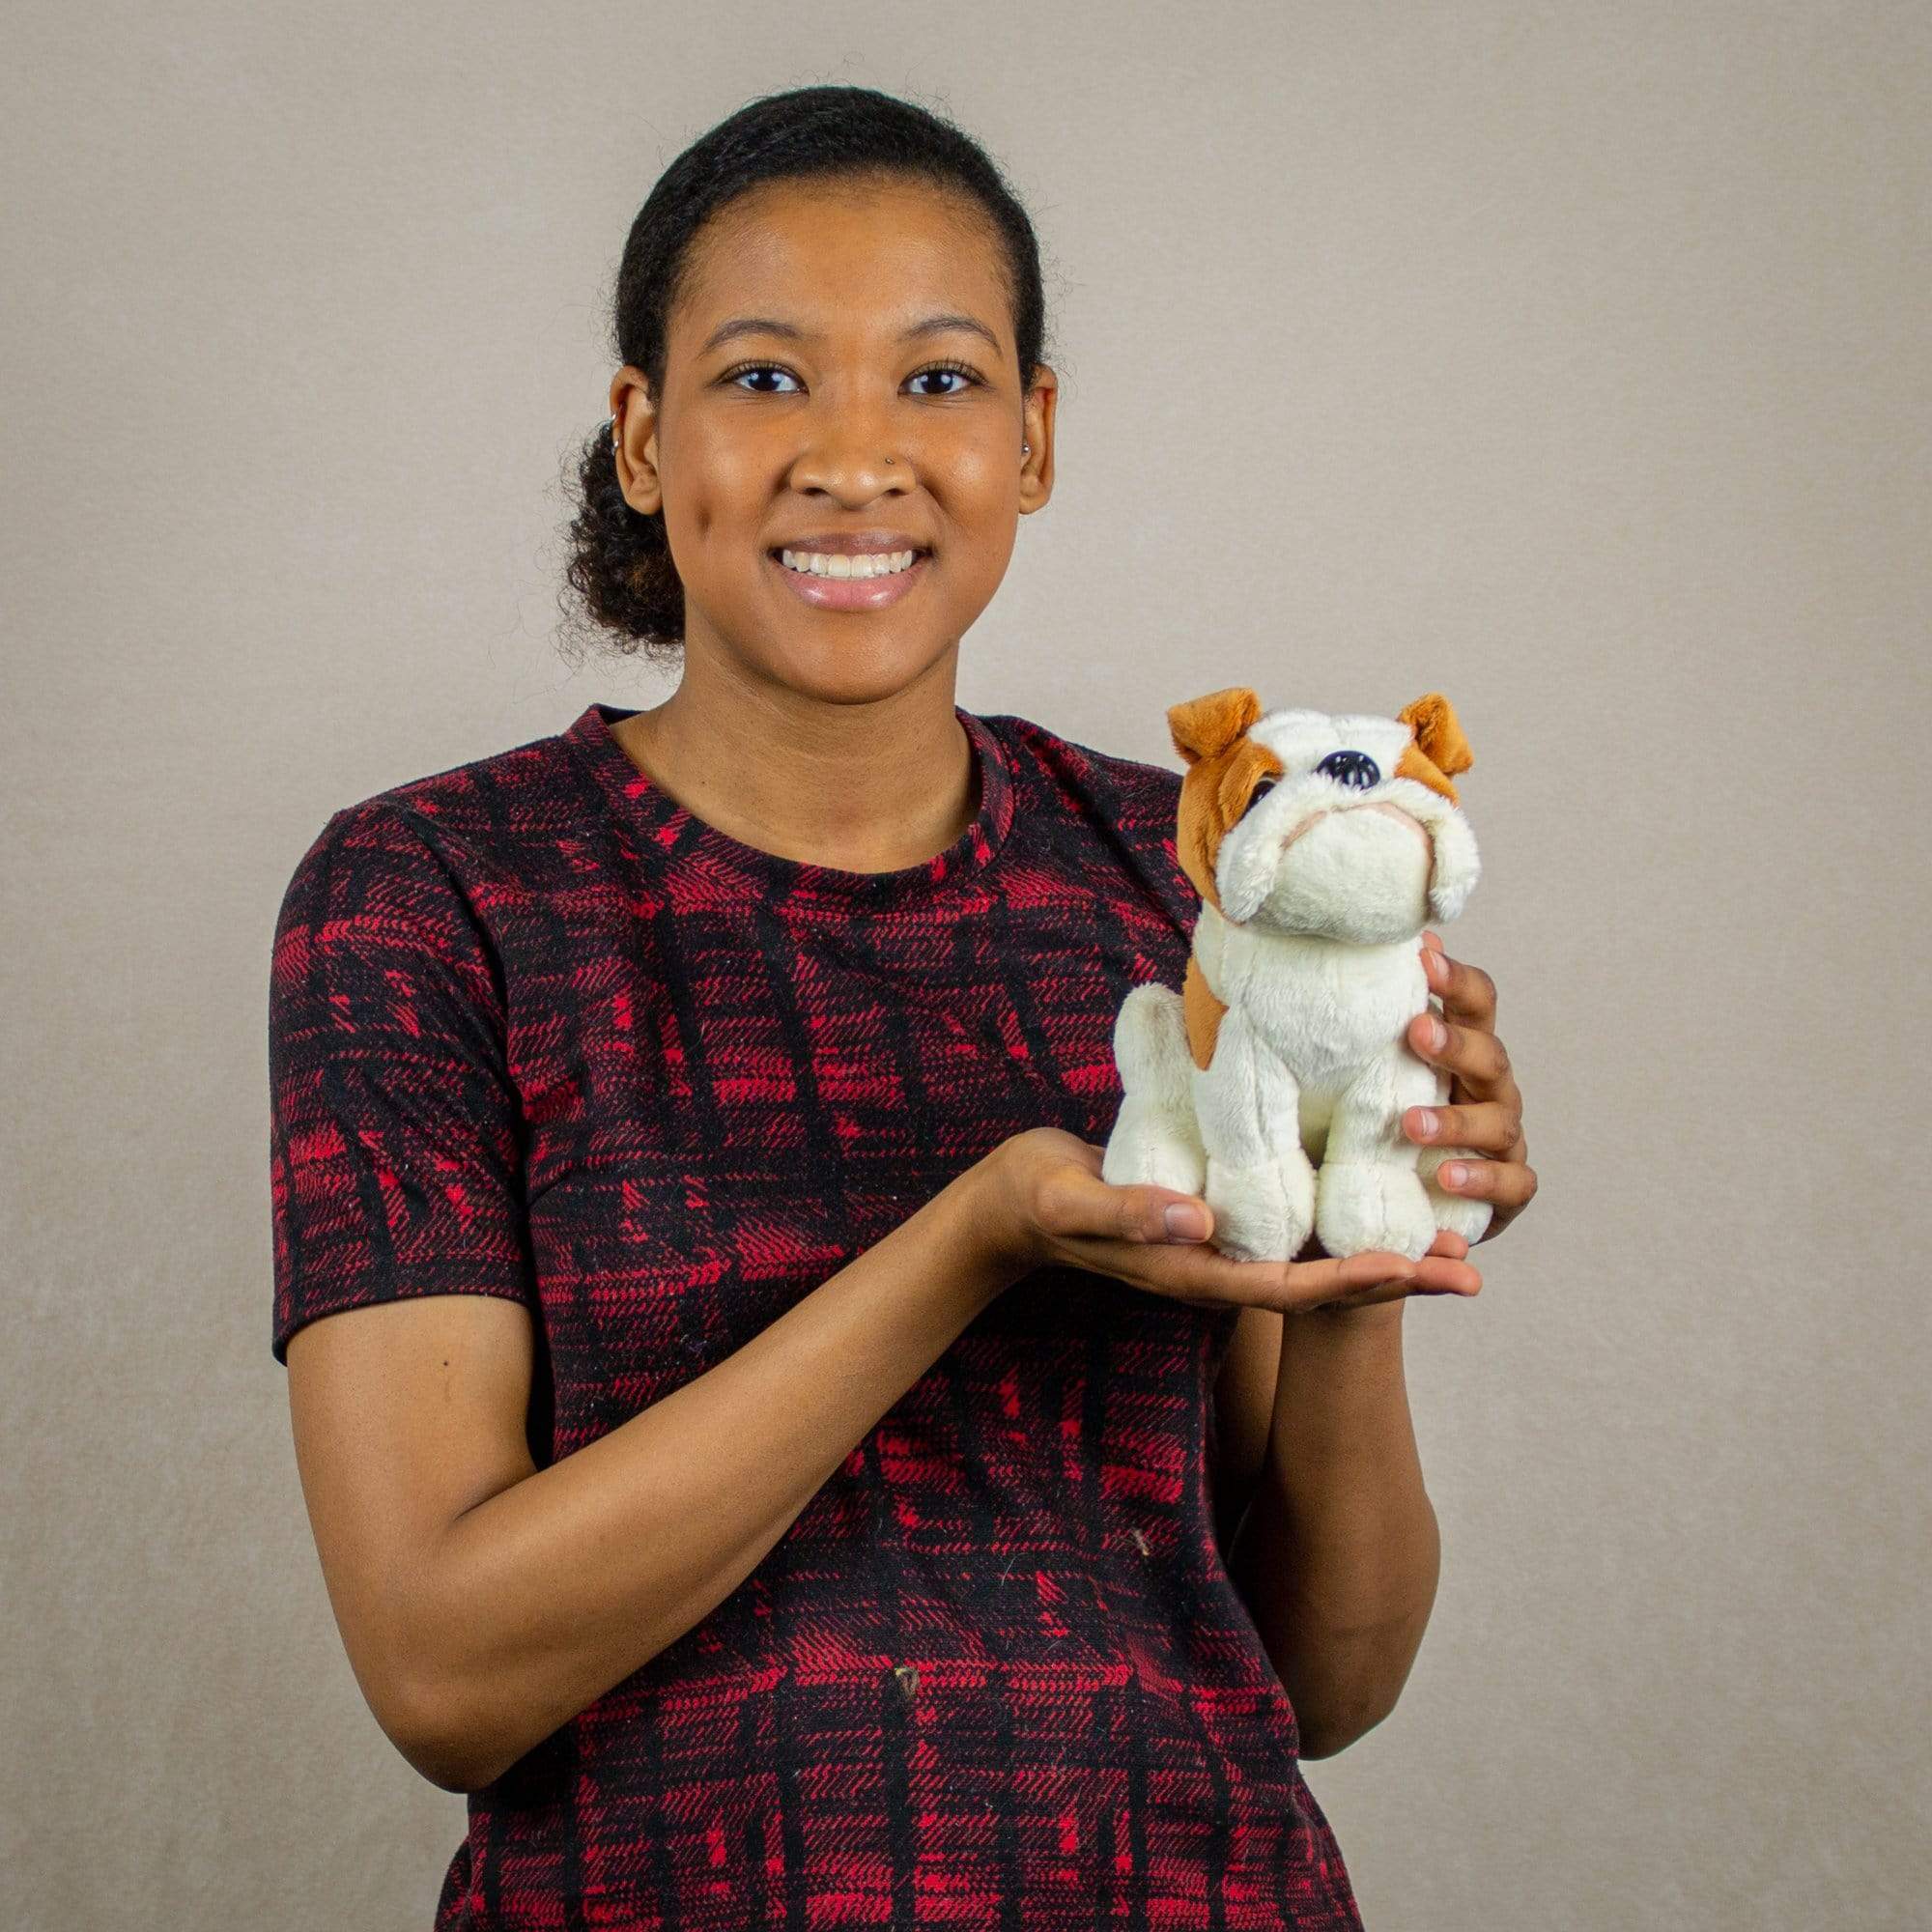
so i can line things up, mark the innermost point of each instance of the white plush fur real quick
(1296, 1125)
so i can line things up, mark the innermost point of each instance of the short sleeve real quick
(395, 1138)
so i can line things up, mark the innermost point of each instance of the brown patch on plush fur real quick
(1205, 725)
(1224, 765)
(1439, 749)
(1203, 1013)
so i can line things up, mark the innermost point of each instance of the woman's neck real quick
(860, 788)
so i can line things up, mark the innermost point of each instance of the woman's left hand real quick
(1485, 1109)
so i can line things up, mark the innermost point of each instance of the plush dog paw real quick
(1155, 1157)
(1459, 1213)
(1261, 1213)
(1363, 1206)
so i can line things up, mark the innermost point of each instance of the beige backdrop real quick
(1569, 358)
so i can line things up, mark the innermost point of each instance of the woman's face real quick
(847, 319)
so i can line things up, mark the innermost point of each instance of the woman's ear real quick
(634, 433)
(1204, 726)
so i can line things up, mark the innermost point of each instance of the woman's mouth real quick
(811, 577)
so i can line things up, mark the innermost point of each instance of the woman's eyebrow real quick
(761, 325)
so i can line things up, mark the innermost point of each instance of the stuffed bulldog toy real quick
(1273, 1083)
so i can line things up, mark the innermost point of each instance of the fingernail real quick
(1184, 1222)
(1436, 1034)
(1425, 1122)
(1452, 1173)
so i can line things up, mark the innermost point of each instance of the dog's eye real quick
(1354, 769)
(1255, 797)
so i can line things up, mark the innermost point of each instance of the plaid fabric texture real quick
(535, 1030)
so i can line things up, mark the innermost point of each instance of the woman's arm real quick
(485, 1602)
(1337, 1554)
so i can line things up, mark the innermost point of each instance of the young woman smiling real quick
(751, 1451)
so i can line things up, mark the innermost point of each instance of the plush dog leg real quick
(1260, 1184)
(1155, 1141)
(1367, 1192)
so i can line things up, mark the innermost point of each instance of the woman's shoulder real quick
(1126, 807)
(468, 819)
(1084, 774)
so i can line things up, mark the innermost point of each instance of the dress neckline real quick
(672, 827)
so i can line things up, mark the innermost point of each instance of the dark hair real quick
(620, 563)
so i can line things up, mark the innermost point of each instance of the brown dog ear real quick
(1437, 735)
(1204, 726)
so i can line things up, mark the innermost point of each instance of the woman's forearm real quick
(1338, 1553)
(547, 1594)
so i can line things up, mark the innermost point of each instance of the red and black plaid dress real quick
(537, 1031)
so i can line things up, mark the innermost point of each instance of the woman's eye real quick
(736, 376)
(760, 369)
(966, 376)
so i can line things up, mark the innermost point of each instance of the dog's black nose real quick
(1352, 768)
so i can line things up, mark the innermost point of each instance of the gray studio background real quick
(1568, 358)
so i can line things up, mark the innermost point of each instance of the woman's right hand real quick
(1048, 1204)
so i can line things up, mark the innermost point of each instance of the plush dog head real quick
(1344, 825)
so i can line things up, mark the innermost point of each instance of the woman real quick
(752, 1451)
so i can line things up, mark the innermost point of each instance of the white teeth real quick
(819, 563)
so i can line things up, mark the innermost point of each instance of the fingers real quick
(1381, 1276)
(1077, 1201)
(1445, 1274)
(1488, 1115)
(1289, 1288)
(1201, 1275)
(1485, 1127)
(1125, 1231)
(1508, 1185)
(1462, 1038)
(1467, 993)
(1477, 1058)
(1375, 1277)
